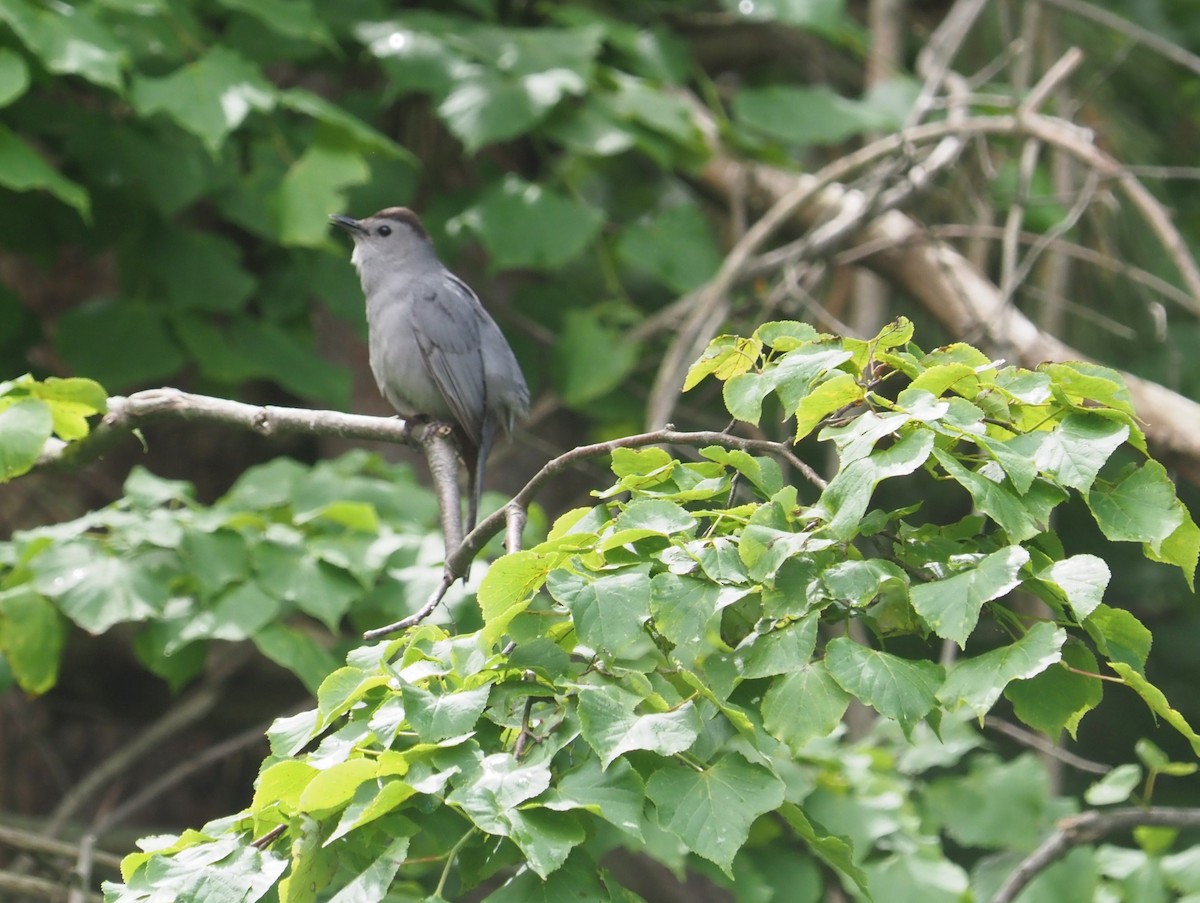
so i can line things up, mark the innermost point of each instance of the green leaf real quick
(712, 810)
(978, 682)
(858, 582)
(806, 116)
(1157, 702)
(527, 225)
(725, 357)
(437, 714)
(849, 492)
(803, 705)
(14, 76)
(591, 358)
(332, 787)
(835, 393)
(1139, 506)
(295, 19)
(897, 688)
(546, 838)
(32, 636)
(782, 650)
(857, 438)
(23, 169)
(1082, 579)
(1120, 636)
(1114, 787)
(928, 877)
(792, 377)
(281, 785)
(371, 801)
(338, 123)
(72, 401)
(590, 128)
(298, 651)
(501, 784)
(205, 872)
(1081, 382)
(24, 429)
(209, 98)
(617, 794)
(610, 726)
(1058, 698)
(1018, 515)
(762, 472)
(675, 246)
(314, 185)
(97, 590)
(577, 880)
(998, 805)
(654, 517)
(522, 76)
(68, 41)
(120, 344)
(195, 270)
(508, 588)
(373, 882)
(1075, 450)
(951, 606)
(687, 612)
(1181, 548)
(835, 852)
(610, 611)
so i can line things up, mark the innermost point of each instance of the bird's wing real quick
(447, 317)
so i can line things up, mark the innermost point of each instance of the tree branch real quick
(1086, 828)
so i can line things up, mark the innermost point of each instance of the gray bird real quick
(434, 350)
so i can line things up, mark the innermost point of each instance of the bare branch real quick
(1084, 828)
(36, 843)
(1044, 746)
(198, 703)
(24, 887)
(1135, 33)
(954, 290)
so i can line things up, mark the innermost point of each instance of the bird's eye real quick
(385, 231)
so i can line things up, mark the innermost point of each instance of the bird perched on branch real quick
(435, 352)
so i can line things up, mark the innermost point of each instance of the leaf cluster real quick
(667, 671)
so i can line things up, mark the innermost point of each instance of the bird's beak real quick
(349, 223)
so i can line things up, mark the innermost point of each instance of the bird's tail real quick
(487, 436)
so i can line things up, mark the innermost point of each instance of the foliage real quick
(668, 669)
(286, 549)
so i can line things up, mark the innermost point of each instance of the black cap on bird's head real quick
(390, 241)
(385, 220)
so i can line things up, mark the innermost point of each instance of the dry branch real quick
(1087, 828)
(968, 304)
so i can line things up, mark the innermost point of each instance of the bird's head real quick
(392, 240)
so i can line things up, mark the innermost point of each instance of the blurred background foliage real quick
(167, 167)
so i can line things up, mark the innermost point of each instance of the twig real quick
(508, 515)
(269, 838)
(1136, 33)
(1061, 246)
(1042, 745)
(36, 843)
(939, 52)
(1086, 828)
(959, 295)
(190, 710)
(36, 889)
